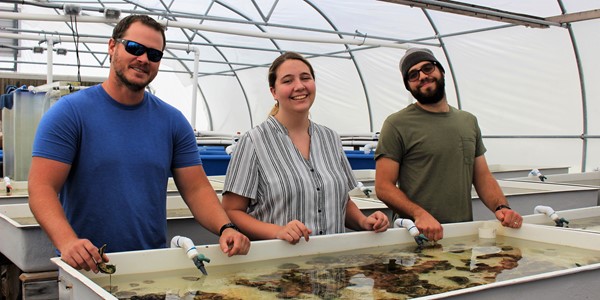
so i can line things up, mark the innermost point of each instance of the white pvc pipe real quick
(537, 173)
(408, 224)
(547, 210)
(50, 60)
(358, 135)
(7, 184)
(195, 85)
(49, 63)
(363, 188)
(229, 149)
(203, 133)
(186, 244)
(370, 146)
(234, 139)
(203, 27)
(90, 40)
(33, 37)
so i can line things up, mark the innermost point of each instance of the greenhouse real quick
(520, 221)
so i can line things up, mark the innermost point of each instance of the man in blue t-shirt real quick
(108, 152)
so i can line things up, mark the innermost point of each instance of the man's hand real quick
(82, 254)
(234, 242)
(509, 218)
(429, 227)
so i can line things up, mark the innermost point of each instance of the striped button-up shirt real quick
(283, 186)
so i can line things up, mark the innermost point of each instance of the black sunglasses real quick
(137, 49)
(427, 69)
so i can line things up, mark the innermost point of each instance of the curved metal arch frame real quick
(207, 107)
(234, 71)
(584, 112)
(579, 66)
(360, 75)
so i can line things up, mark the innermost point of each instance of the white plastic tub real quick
(577, 179)
(572, 283)
(572, 215)
(523, 197)
(17, 195)
(511, 171)
(20, 194)
(214, 181)
(585, 179)
(30, 249)
(185, 225)
(366, 176)
(27, 246)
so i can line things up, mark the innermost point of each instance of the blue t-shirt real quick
(121, 157)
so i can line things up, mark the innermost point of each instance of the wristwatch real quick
(501, 206)
(228, 225)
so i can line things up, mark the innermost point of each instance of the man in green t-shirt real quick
(430, 154)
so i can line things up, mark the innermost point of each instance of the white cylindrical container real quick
(487, 231)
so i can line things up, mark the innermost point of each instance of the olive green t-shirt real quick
(436, 153)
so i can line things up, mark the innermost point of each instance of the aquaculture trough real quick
(363, 265)
(366, 176)
(18, 193)
(23, 241)
(590, 179)
(587, 219)
(181, 222)
(511, 171)
(525, 196)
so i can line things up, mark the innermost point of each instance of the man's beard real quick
(132, 86)
(135, 87)
(431, 97)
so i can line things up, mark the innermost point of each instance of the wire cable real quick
(75, 32)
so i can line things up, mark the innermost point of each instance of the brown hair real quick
(275, 66)
(124, 24)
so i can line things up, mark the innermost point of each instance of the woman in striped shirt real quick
(289, 178)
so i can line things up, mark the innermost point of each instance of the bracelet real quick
(228, 225)
(501, 206)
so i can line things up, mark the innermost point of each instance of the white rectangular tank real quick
(26, 245)
(586, 179)
(577, 282)
(19, 193)
(523, 197)
(504, 171)
(587, 218)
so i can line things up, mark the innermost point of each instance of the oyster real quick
(103, 267)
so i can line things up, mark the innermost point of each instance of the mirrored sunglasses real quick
(137, 49)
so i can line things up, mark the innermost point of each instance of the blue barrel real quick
(359, 160)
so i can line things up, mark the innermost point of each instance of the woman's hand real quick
(377, 222)
(293, 232)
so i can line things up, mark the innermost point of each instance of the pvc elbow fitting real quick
(547, 210)
(408, 224)
(186, 244)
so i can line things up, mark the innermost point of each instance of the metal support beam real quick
(576, 17)
(479, 12)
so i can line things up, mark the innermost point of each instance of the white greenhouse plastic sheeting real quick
(534, 90)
